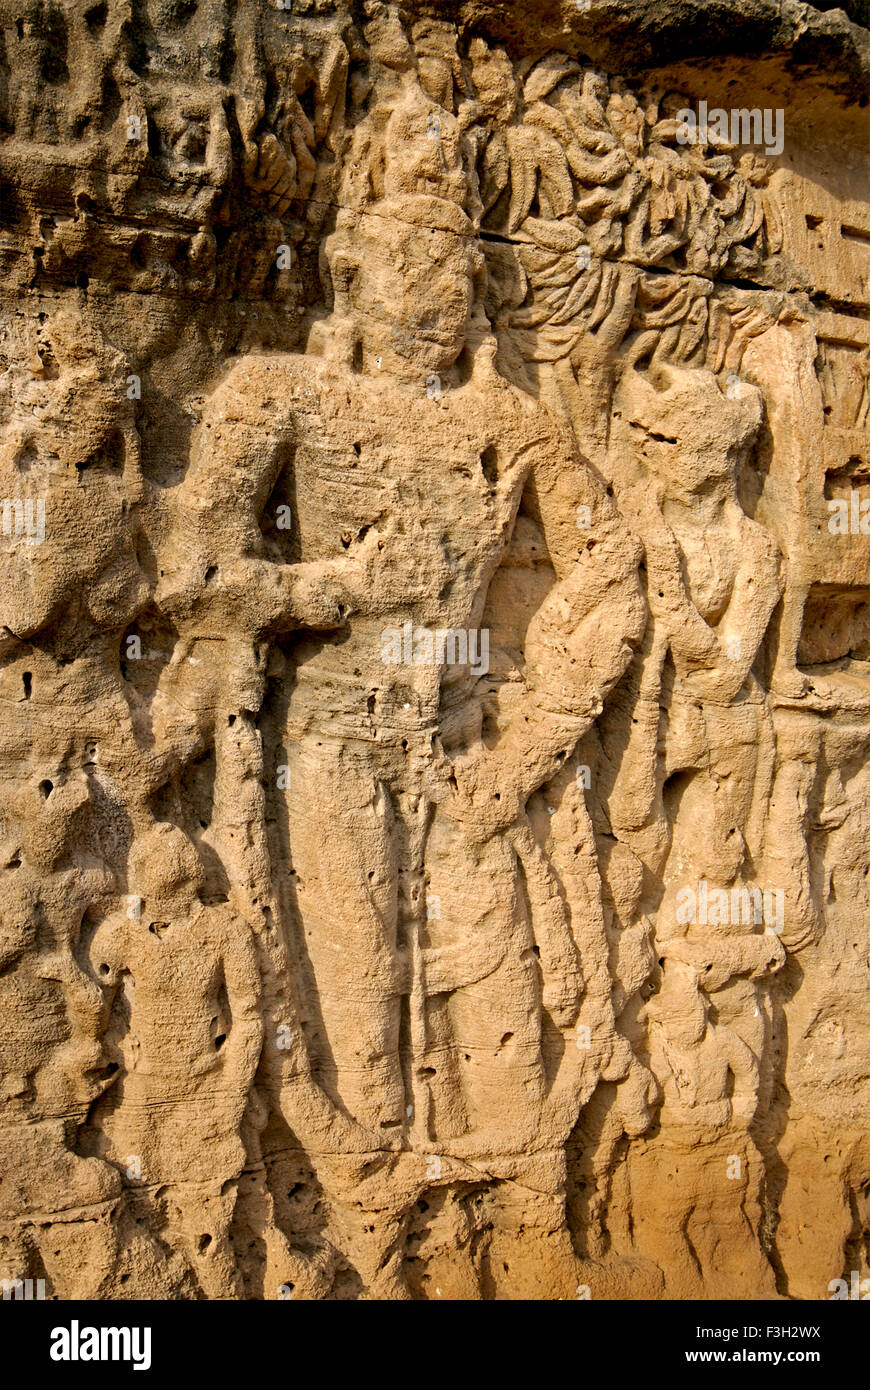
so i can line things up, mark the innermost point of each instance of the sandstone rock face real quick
(434, 649)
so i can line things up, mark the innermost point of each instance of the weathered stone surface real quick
(434, 648)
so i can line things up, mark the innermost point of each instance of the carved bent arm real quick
(324, 593)
(215, 565)
(720, 958)
(286, 597)
(573, 660)
(579, 643)
(571, 665)
(238, 450)
(577, 646)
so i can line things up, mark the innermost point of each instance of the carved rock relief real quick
(434, 666)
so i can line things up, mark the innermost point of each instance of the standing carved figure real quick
(189, 1050)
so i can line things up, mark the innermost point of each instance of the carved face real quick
(688, 431)
(411, 292)
(164, 866)
(423, 154)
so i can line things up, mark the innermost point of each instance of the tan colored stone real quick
(434, 639)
